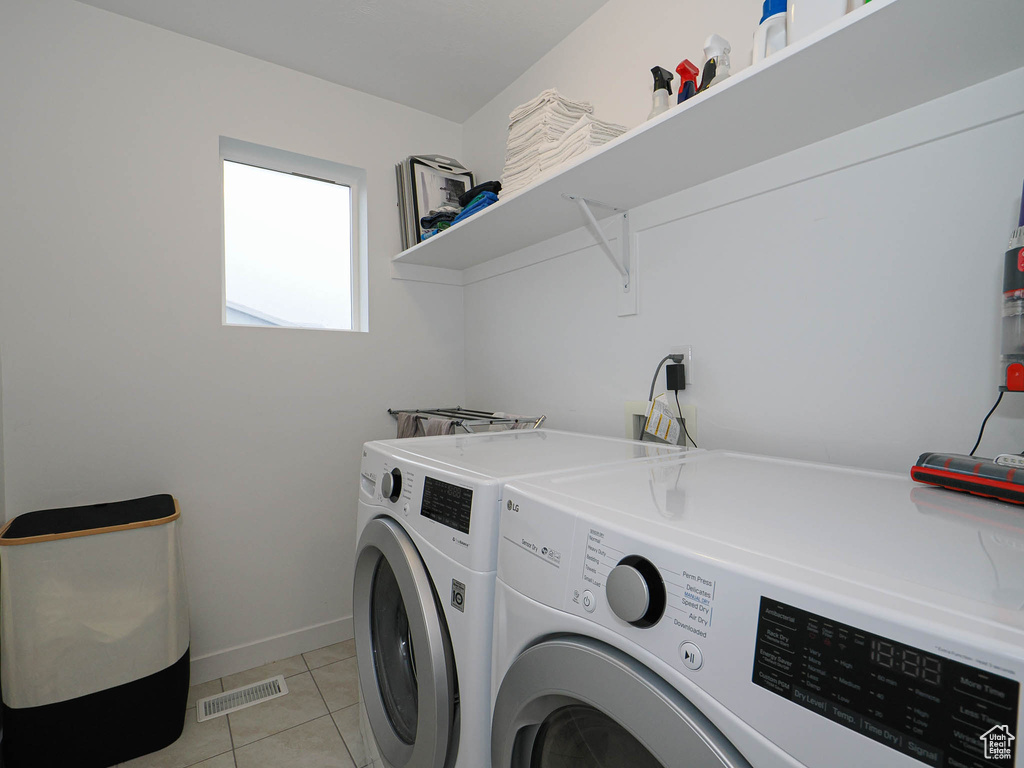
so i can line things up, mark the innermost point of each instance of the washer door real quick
(403, 651)
(579, 702)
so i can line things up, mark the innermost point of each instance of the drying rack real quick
(472, 420)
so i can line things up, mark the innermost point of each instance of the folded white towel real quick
(548, 122)
(588, 124)
(548, 97)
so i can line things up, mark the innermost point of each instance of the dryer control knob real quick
(391, 484)
(636, 591)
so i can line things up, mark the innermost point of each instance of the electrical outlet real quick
(687, 351)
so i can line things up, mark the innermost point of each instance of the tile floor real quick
(315, 726)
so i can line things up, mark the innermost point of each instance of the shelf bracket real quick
(624, 262)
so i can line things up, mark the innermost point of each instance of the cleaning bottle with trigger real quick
(716, 61)
(662, 90)
(687, 72)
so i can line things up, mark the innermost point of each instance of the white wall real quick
(119, 379)
(842, 301)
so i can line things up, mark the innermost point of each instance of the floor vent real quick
(240, 698)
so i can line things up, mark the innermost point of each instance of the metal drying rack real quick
(472, 420)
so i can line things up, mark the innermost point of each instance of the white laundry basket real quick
(94, 634)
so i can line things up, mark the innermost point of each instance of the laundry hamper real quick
(94, 634)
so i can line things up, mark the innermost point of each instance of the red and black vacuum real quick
(1003, 477)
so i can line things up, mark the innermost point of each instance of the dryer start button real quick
(691, 656)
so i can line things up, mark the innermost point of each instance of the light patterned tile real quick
(347, 720)
(301, 704)
(339, 683)
(293, 665)
(202, 690)
(332, 653)
(198, 742)
(227, 760)
(312, 745)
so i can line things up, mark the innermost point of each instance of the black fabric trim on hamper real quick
(102, 728)
(48, 522)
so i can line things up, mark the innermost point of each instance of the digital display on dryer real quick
(447, 504)
(933, 709)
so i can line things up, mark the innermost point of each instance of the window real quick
(294, 240)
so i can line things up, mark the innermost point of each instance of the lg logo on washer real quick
(512, 507)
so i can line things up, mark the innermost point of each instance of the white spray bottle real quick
(662, 90)
(716, 61)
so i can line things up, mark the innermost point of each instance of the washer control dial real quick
(636, 591)
(391, 484)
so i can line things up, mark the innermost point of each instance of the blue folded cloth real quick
(480, 202)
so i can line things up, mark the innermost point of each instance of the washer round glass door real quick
(576, 701)
(393, 657)
(403, 651)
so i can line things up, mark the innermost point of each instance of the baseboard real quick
(243, 657)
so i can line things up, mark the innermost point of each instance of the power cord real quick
(983, 423)
(683, 421)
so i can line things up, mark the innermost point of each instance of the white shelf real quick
(886, 57)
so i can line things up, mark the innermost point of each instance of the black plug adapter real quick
(675, 377)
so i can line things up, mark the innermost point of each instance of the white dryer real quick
(734, 610)
(424, 582)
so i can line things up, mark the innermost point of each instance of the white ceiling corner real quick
(445, 57)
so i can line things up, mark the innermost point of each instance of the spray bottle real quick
(687, 72)
(662, 90)
(716, 61)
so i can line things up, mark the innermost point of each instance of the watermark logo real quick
(998, 743)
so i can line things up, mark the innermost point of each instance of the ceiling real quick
(446, 57)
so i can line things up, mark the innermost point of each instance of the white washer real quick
(424, 581)
(733, 610)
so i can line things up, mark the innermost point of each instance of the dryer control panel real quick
(931, 708)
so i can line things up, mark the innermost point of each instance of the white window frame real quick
(237, 151)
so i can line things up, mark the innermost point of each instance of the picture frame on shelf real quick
(425, 183)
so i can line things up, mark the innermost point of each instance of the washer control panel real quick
(453, 512)
(447, 503)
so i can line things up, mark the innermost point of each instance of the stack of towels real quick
(547, 131)
(470, 202)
